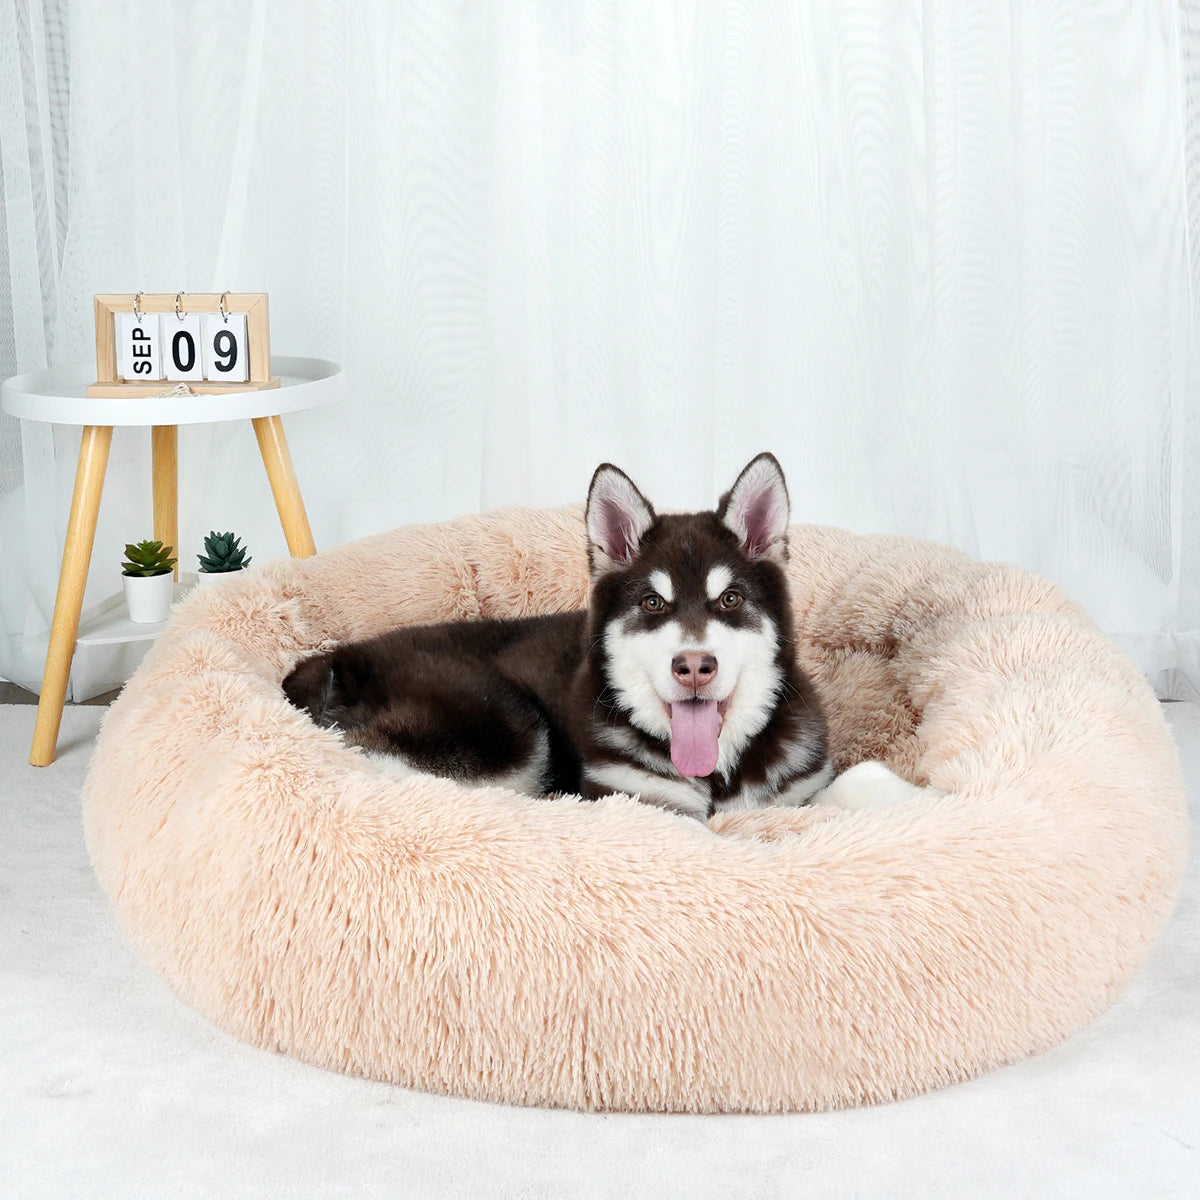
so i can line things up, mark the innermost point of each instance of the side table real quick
(58, 395)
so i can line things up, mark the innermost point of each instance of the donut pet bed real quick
(610, 955)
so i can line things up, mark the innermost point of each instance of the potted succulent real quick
(149, 578)
(223, 553)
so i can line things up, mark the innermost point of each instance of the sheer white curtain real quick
(939, 257)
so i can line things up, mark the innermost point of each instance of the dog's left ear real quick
(756, 508)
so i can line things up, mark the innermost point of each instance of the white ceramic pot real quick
(208, 578)
(148, 597)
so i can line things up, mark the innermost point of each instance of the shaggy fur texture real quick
(610, 955)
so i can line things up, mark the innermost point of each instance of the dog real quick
(678, 684)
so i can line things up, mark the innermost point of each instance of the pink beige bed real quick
(479, 943)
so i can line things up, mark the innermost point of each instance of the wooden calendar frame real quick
(258, 340)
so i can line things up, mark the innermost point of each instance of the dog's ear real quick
(618, 516)
(756, 508)
(330, 686)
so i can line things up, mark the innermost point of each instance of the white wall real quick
(936, 256)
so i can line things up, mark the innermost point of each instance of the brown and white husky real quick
(678, 684)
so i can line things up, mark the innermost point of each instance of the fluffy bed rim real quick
(612, 956)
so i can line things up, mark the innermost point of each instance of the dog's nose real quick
(694, 670)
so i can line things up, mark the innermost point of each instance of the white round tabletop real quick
(57, 394)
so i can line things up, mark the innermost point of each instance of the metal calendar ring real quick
(177, 312)
(137, 312)
(224, 308)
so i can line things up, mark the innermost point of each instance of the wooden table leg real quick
(274, 449)
(72, 579)
(164, 452)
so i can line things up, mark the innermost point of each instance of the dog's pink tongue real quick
(695, 725)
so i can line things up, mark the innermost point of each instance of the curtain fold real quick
(940, 258)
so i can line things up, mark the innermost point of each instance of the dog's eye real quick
(654, 603)
(731, 599)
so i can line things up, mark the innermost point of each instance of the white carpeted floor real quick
(111, 1087)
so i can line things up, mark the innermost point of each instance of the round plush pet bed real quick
(611, 955)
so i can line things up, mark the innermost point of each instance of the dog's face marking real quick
(700, 587)
(719, 579)
(660, 584)
(747, 682)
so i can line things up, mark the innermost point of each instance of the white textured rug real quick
(111, 1087)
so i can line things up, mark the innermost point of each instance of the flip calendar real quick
(214, 342)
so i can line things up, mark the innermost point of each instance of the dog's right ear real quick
(330, 686)
(618, 516)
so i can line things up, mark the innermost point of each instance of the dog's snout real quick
(694, 670)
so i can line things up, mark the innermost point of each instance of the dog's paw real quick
(870, 785)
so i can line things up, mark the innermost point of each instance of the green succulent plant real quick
(223, 552)
(148, 558)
